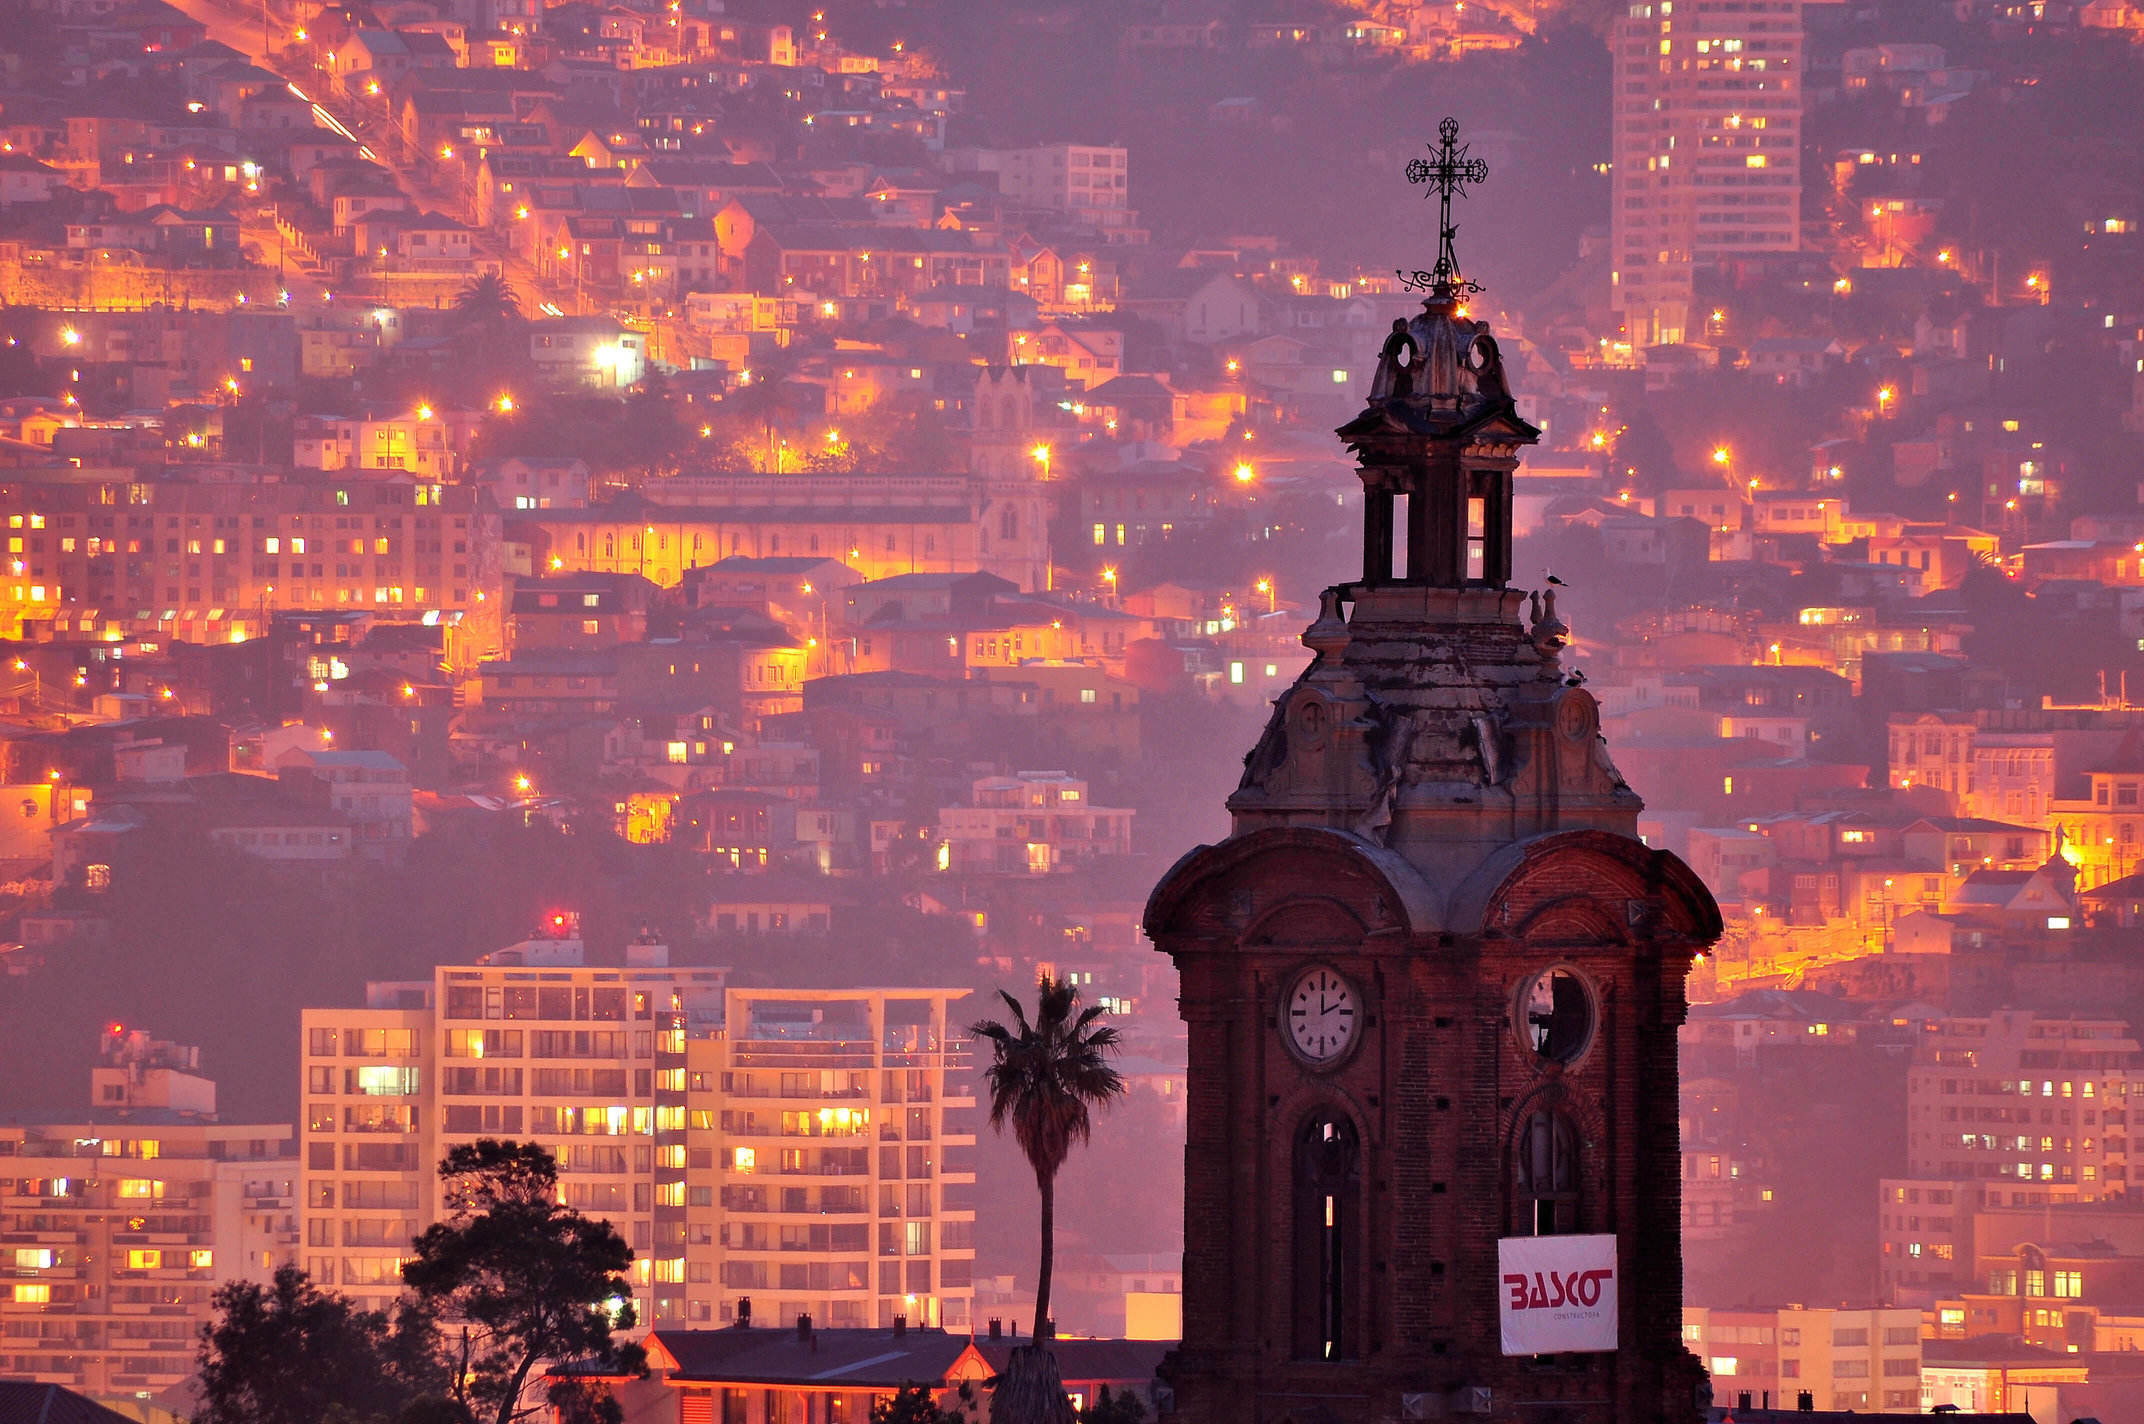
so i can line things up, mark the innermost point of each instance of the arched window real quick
(1328, 1227)
(1545, 1170)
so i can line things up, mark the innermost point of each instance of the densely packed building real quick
(809, 1152)
(122, 1219)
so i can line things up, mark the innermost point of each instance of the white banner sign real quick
(1557, 1294)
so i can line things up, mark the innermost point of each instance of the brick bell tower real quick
(1432, 980)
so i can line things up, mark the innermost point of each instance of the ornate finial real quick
(1328, 637)
(1449, 172)
(1550, 634)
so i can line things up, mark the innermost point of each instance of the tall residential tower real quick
(1707, 152)
(811, 1151)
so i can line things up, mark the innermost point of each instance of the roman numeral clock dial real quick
(1321, 1015)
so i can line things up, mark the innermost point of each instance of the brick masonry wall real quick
(1438, 1083)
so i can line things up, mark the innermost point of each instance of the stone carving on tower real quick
(1432, 979)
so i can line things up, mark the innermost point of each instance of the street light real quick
(1884, 396)
(1041, 456)
(1265, 586)
(1244, 473)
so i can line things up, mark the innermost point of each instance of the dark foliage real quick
(532, 1282)
(290, 1353)
(913, 1404)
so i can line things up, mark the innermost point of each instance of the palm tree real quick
(486, 301)
(1045, 1077)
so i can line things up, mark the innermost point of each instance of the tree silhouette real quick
(1046, 1077)
(486, 301)
(291, 1353)
(913, 1404)
(534, 1281)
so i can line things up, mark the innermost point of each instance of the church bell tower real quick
(1432, 978)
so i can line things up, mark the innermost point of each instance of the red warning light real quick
(115, 1028)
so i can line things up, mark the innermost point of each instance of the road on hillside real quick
(242, 28)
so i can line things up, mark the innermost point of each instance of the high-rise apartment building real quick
(1706, 151)
(118, 1224)
(2034, 1108)
(808, 1150)
(2007, 1111)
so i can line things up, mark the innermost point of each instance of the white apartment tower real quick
(117, 1224)
(1706, 150)
(808, 1150)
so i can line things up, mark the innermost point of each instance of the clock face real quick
(1322, 1013)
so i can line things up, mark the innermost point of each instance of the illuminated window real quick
(377, 1081)
(29, 1294)
(140, 1189)
(144, 1259)
(33, 1258)
(201, 1260)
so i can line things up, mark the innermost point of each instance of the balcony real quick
(824, 1169)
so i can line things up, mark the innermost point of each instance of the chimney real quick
(997, 1328)
(1742, 1400)
(1805, 1402)
(1767, 1400)
(900, 1326)
(744, 1312)
(804, 1329)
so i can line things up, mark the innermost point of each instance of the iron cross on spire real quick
(1449, 172)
